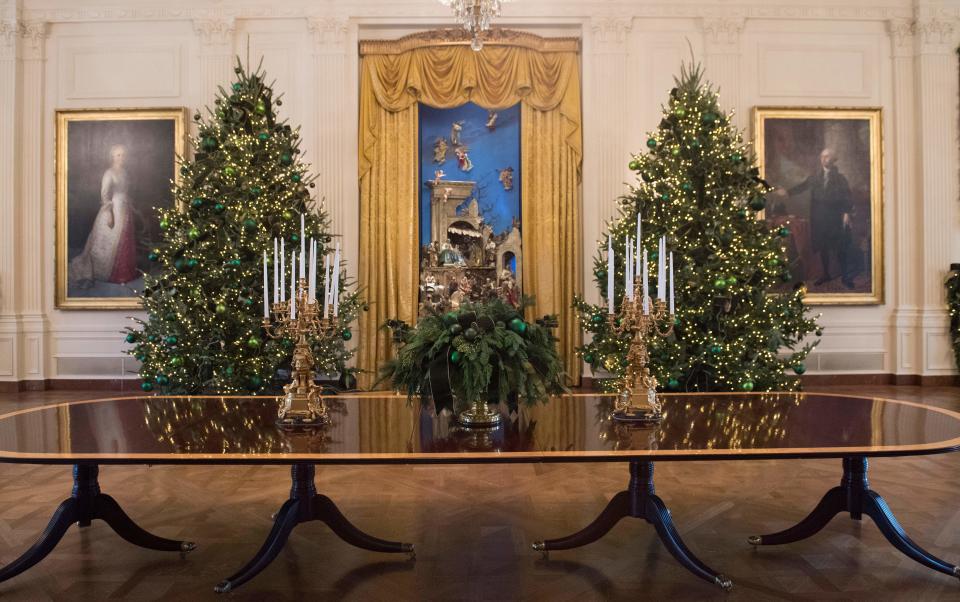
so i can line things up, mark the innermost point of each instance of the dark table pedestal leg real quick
(85, 505)
(306, 505)
(855, 496)
(638, 501)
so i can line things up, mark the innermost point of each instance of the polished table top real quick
(389, 429)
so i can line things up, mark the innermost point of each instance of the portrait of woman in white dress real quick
(115, 168)
(110, 252)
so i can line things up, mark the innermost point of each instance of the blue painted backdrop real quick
(490, 151)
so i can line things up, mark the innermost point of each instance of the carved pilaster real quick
(935, 35)
(215, 38)
(722, 49)
(9, 31)
(9, 89)
(610, 33)
(329, 34)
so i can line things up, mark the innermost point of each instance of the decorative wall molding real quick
(9, 32)
(936, 34)
(723, 31)
(215, 32)
(329, 33)
(34, 35)
(611, 31)
(902, 33)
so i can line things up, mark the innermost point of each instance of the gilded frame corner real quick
(874, 117)
(63, 117)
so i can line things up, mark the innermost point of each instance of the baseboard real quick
(590, 383)
(71, 384)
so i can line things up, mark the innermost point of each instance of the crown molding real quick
(416, 10)
(215, 32)
(460, 37)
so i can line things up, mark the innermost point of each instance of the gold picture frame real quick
(826, 168)
(113, 168)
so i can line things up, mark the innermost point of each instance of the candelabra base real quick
(479, 416)
(297, 419)
(643, 415)
(302, 411)
(638, 407)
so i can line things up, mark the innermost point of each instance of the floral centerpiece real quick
(482, 352)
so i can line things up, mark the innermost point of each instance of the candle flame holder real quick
(302, 403)
(637, 400)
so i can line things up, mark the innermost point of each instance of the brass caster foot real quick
(410, 551)
(724, 582)
(539, 546)
(187, 546)
(755, 540)
(956, 572)
(223, 587)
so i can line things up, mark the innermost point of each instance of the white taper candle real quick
(312, 277)
(303, 247)
(628, 269)
(610, 274)
(336, 281)
(283, 273)
(326, 286)
(293, 285)
(671, 283)
(646, 284)
(266, 287)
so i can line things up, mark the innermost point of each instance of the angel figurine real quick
(439, 150)
(463, 159)
(492, 120)
(437, 176)
(455, 130)
(506, 178)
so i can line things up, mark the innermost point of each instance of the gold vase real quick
(479, 415)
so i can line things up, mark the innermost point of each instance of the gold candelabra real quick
(302, 401)
(637, 400)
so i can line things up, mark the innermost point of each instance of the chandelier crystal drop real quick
(475, 16)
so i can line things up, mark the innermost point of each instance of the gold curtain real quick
(544, 76)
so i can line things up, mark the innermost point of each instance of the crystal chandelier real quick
(475, 16)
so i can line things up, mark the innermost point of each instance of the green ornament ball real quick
(673, 384)
(720, 283)
(747, 385)
(237, 87)
(208, 143)
(220, 308)
(255, 191)
(228, 371)
(773, 262)
(708, 118)
(634, 165)
(346, 335)
(184, 171)
(249, 224)
(164, 224)
(589, 358)
(152, 256)
(193, 234)
(518, 326)
(263, 136)
(596, 319)
(287, 214)
(295, 237)
(180, 264)
(171, 340)
(675, 151)
(819, 332)
(736, 157)
(286, 159)
(786, 277)
(229, 171)
(235, 263)
(783, 231)
(742, 213)
(799, 368)
(176, 361)
(716, 349)
(651, 142)
(253, 342)
(295, 178)
(192, 263)
(219, 207)
(255, 382)
(455, 356)
(470, 334)
(757, 203)
(648, 176)
(146, 386)
(162, 380)
(248, 302)
(152, 338)
(196, 203)
(450, 318)
(695, 143)
(731, 280)
(686, 187)
(260, 108)
(456, 329)
(665, 196)
(131, 338)
(680, 112)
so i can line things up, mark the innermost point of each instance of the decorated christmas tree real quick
(736, 328)
(244, 187)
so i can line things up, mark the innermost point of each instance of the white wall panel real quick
(138, 71)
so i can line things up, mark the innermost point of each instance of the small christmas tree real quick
(699, 185)
(244, 187)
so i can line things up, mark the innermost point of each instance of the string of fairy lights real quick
(698, 184)
(244, 187)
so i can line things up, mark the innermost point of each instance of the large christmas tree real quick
(699, 185)
(244, 187)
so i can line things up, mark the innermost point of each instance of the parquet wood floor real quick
(473, 527)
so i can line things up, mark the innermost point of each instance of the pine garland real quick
(484, 350)
(699, 185)
(245, 186)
